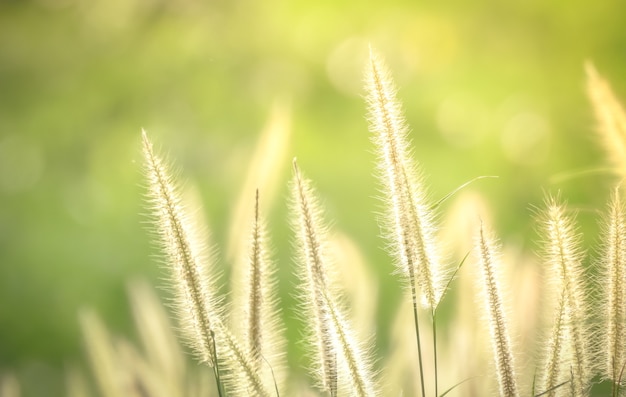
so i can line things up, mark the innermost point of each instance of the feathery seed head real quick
(340, 360)
(185, 256)
(256, 299)
(498, 324)
(410, 219)
(240, 374)
(310, 243)
(612, 267)
(568, 345)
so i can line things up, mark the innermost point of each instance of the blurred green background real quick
(489, 88)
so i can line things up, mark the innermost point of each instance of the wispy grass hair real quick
(489, 263)
(410, 218)
(339, 360)
(612, 268)
(197, 302)
(187, 257)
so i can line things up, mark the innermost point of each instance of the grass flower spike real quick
(258, 318)
(242, 340)
(612, 273)
(568, 346)
(197, 304)
(186, 256)
(335, 349)
(409, 223)
(498, 324)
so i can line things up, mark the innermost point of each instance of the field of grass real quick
(505, 96)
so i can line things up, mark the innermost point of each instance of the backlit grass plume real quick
(612, 273)
(339, 360)
(610, 116)
(409, 221)
(567, 350)
(498, 324)
(258, 317)
(197, 304)
(186, 257)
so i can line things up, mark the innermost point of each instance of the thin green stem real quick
(452, 193)
(273, 376)
(434, 318)
(417, 334)
(216, 368)
(445, 393)
(614, 378)
(619, 381)
(550, 390)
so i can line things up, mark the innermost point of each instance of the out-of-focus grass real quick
(489, 88)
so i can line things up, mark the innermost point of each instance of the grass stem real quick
(434, 318)
(417, 335)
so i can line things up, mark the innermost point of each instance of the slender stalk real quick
(618, 384)
(434, 318)
(417, 336)
(216, 370)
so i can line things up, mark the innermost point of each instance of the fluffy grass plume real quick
(498, 324)
(338, 359)
(409, 220)
(186, 258)
(240, 375)
(257, 305)
(610, 116)
(612, 273)
(197, 304)
(567, 355)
